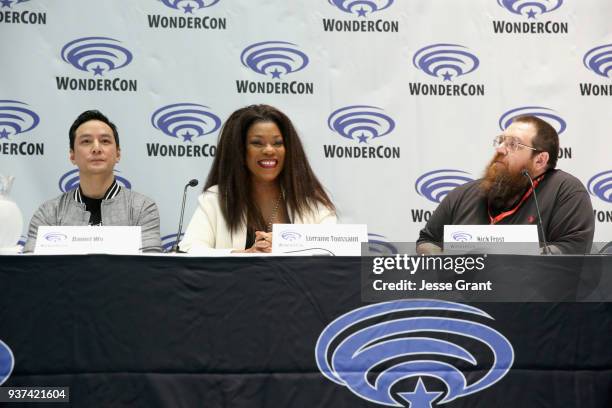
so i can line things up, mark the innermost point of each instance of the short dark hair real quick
(302, 190)
(86, 117)
(546, 138)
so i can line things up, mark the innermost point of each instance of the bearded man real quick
(504, 195)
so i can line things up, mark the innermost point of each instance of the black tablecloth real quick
(241, 332)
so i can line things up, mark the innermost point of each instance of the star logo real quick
(447, 76)
(4, 134)
(362, 138)
(276, 73)
(98, 70)
(188, 137)
(6, 3)
(188, 9)
(420, 398)
(531, 14)
(361, 12)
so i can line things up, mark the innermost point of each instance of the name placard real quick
(319, 239)
(492, 239)
(52, 240)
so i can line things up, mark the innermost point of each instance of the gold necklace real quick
(274, 213)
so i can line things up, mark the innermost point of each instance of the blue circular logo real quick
(445, 61)
(185, 120)
(355, 349)
(96, 54)
(379, 244)
(543, 113)
(360, 122)
(461, 236)
(189, 5)
(274, 58)
(15, 118)
(361, 7)
(531, 8)
(55, 237)
(598, 60)
(168, 241)
(600, 185)
(291, 236)
(70, 180)
(7, 362)
(435, 185)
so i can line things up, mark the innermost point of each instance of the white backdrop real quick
(345, 71)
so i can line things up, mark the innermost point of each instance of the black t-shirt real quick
(93, 206)
(565, 205)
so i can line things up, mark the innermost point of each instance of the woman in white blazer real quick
(260, 176)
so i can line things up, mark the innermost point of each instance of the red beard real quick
(501, 186)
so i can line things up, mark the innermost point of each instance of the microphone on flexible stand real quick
(540, 223)
(175, 247)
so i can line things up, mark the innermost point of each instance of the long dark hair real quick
(302, 190)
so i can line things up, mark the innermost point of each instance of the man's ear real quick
(71, 156)
(541, 160)
(118, 155)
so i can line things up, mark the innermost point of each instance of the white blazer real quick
(208, 229)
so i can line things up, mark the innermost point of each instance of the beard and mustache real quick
(500, 185)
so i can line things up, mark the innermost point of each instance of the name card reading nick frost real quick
(319, 239)
(87, 240)
(491, 239)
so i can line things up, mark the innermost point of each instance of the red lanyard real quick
(505, 214)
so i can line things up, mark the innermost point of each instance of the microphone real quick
(175, 247)
(535, 199)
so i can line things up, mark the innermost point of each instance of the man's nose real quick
(502, 149)
(96, 146)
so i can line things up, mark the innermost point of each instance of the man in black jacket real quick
(504, 194)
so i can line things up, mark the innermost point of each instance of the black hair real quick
(229, 171)
(86, 117)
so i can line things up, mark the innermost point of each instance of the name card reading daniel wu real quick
(87, 240)
(319, 239)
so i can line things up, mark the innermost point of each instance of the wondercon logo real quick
(531, 8)
(446, 61)
(168, 241)
(188, 5)
(543, 113)
(186, 120)
(55, 237)
(360, 122)
(361, 7)
(600, 185)
(435, 185)
(379, 244)
(15, 118)
(96, 54)
(291, 236)
(274, 58)
(599, 60)
(70, 181)
(7, 362)
(405, 353)
(22, 241)
(9, 4)
(461, 236)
